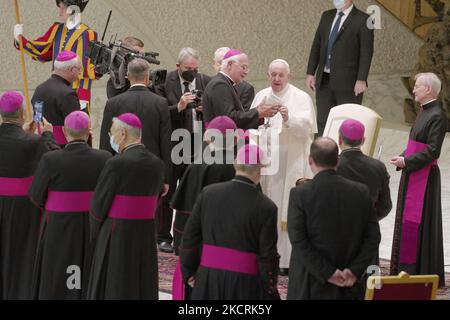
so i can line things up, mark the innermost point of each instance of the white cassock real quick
(295, 138)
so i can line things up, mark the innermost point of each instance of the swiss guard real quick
(68, 35)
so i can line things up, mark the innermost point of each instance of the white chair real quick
(370, 119)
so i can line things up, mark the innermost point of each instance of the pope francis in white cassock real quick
(295, 125)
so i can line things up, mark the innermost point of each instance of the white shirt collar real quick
(138, 85)
(428, 102)
(347, 11)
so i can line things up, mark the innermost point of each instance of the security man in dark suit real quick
(356, 166)
(340, 58)
(333, 230)
(151, 109)
(185, 113)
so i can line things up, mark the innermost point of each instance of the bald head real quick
(324, 153)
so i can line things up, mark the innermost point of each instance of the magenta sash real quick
(59, 135)
(178, 287)
(15, 187)
(229, 259)
(413, 207)
(68, 201)
(134, 207)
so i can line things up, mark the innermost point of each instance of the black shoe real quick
(284, 272)
(165, 247)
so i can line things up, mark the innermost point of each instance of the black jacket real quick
(332, 225)
(173, 92)
(351, 54)
(59, 99)
(153, 112)
(222, 99)
(356, 166)
(246, 94)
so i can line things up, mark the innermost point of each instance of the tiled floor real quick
(393, 139)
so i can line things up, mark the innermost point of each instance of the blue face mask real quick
(114, 145)
(339, 4)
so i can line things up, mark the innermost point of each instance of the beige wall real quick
(266, 29)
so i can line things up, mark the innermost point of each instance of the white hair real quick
(220, 53)
(280, 61)
(66, 65)
(231, 59)
(431, 80)
(135, 132)
(187, 53)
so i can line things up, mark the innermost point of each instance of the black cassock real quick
(20, 153)
(59, 101)
(232, 221)
(125, 262)
(356, 166)
(429, 129)
(64, 184)
(196, 177)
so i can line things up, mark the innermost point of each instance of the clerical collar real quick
(76, 142)
(132, 146)
(352, 149)
(228, 77)
(58, 77)
(428, 104)
(244, 180)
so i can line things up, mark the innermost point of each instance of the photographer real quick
(119, 84)
(185, 110)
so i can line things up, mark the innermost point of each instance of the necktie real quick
(332, 39)
(188, 114)
(186, 87)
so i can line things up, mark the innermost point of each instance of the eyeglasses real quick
(243, 67)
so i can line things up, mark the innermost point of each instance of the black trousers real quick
(165, 212)
(327, 98)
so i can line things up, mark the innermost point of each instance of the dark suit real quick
(356, 166)
(154, 115)
(173, 92)
(222, 99)
(350, 61)
(180, 120)
(246, 94)
(59, 99)
(331, 225)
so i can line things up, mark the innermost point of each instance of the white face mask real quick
(339, 4)
(114, 146)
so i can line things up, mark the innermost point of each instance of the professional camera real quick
(198, 94)
(114, 60)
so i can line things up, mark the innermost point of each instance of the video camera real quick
(113, 59)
